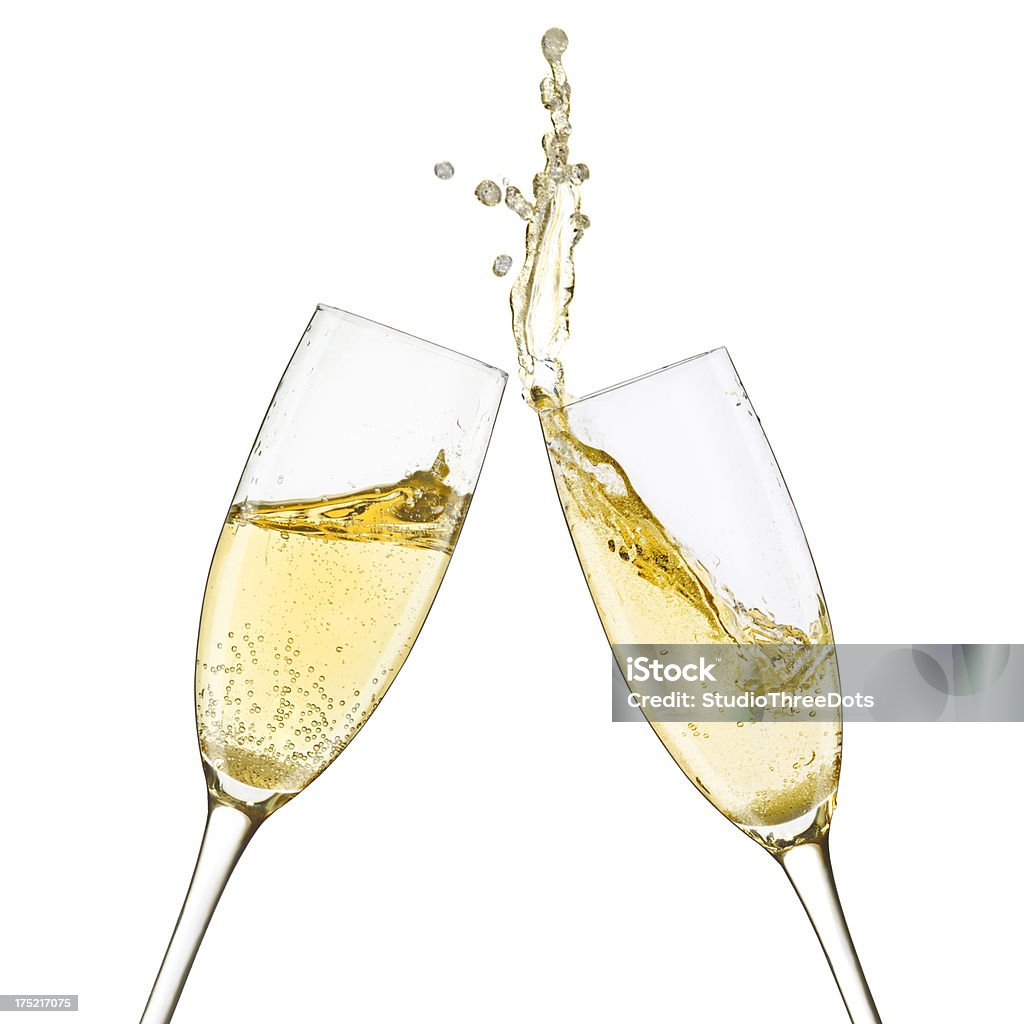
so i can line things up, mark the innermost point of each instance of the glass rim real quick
(412, 339)
(636, 380)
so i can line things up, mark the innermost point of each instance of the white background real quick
(833, 192)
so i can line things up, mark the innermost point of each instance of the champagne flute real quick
(334, 546)
(699, 543)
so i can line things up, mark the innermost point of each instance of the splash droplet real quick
(488, 193)
(518, 203)
(444, 170)
(502, 265)
(554, 43)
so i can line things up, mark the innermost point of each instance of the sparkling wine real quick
(543, 289)
(311, 608)
(776, 780)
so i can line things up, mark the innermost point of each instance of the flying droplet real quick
(518, 203)
(444, 170)
(488, 193)
(502, 265)
(554, 43)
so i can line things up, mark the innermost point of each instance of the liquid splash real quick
(543, 289)
(647, 585)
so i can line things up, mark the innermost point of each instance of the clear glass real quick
(335, 544)
(686, 534)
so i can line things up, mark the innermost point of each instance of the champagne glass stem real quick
(228, 831)
(809, 868)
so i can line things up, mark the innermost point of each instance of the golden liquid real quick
(776, 779)
(543, 289)
(311, 608)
